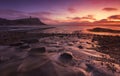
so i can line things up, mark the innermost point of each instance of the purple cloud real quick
(72, 10)
(41, 13)
(88, 17)
(12, 14)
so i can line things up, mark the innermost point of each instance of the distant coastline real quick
(97, 29)
(24, 21)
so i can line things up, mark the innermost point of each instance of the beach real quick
(90, 54)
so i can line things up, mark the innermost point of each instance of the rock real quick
(3, 58)
(24, 21)
(70, 44)
(98, 72)
(17, 44)
(25, 46)
(89, 67)
(66, 56)
(80, 47)
(31, 41)
(43, 66)
(37, 50)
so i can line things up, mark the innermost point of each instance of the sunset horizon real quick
(63, 11)
(59, 37)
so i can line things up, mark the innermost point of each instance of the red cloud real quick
(76, 18)
(116, 17)
(88, 17)
(72, 10)
(108, 21)
(110, 9)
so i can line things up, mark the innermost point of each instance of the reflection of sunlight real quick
(83, 29)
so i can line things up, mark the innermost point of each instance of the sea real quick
(63, 28)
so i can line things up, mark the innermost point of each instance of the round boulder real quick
(66, 56)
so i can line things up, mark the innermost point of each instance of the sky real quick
(63, 11)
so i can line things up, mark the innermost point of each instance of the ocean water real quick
(63, 29)
(83, 29)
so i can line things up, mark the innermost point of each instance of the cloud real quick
(85, 18)
(72, 10)
(76, 18)
(109, 9)
(12, 14)
(44, 16)
(91, 17)
(114, 17)
(106, 21)
(41, 13)
(102, 21)
(49, 21)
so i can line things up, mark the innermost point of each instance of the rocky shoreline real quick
(77, 54)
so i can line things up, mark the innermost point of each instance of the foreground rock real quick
(40, 65)
(39, 50)
(65, 60)
(30, 41)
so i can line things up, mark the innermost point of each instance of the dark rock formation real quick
(66, 56)
(97, 29)
(37, 50)
(25, 21)
(42, 65)
(80, 47)
(109, 45)
(30, 41)
(11, 38)
(17, 44)
(24, 46)
(4, 21)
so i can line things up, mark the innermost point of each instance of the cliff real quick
(25, 21)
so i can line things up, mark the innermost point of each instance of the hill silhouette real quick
(97, 29)
(24, 21)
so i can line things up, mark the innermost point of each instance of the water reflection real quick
(83, 29)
